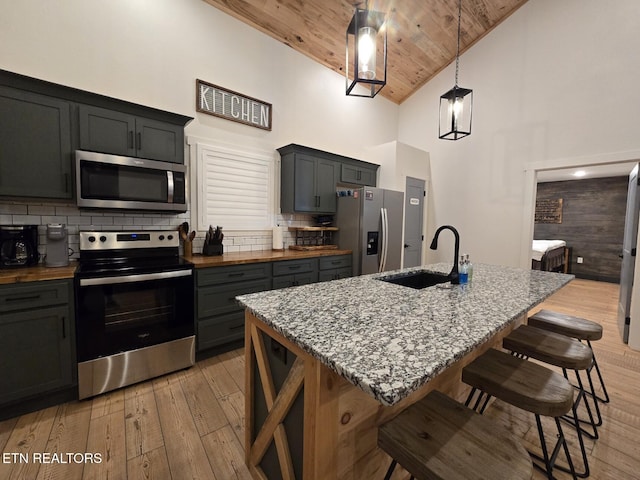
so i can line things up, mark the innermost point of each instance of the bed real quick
(549, 255)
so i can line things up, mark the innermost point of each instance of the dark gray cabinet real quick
(220, 318)
(36, 339)
(110, 131)
(308, 178)
(35, 145)
(308, 184)
(334, 267)
(290, 273)
(358, 175)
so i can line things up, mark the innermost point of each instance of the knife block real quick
(212, 249)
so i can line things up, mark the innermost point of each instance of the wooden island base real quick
(304, 421)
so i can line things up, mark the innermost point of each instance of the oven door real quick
(127, 312)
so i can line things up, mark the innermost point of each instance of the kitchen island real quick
(327, 363)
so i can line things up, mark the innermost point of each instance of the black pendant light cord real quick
(458, 47)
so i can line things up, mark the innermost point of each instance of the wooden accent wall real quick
(592, 224)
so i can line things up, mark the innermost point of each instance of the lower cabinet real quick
(220, 317)
(290, 273)
(37, 339)
(335, 267)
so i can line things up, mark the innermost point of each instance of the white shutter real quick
(234, 188)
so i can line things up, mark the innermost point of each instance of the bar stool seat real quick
(568, 325)
(575, 327)
(528, 386)
(438, 438)
(549, 347)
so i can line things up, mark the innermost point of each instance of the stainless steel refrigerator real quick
(369, 222)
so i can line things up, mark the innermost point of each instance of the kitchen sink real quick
(417, 280)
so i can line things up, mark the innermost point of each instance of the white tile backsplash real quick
(39, 213)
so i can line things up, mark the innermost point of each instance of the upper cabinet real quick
(35, 145)
(110, 131)
(309, 178)
(358, 175)
(42, 124)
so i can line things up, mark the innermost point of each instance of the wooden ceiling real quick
(421, 33)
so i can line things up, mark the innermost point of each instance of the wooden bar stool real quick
(575, 327)
(438, 438)
(528, 386)
(564, 352)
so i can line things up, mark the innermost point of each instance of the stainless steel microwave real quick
(112, 181)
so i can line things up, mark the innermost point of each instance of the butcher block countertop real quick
(389, 340)
(237, 258)
(41, 273)
(38, 273)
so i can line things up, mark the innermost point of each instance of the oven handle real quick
(87, 282)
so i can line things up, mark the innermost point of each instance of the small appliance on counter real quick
(18, 245)
(57, 246)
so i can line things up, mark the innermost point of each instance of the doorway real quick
(413, 214)
(607, 165)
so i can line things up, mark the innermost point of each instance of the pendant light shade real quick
(456, 105)
(366, 58)
(455, 113)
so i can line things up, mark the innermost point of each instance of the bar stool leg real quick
(579, 431)
(481, 394)
(594, 421)
(392, 467)
(604, 388)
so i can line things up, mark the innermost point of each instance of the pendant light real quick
(456, 105)
(369, 68)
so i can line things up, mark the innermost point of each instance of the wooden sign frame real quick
(224, 103)
(548, 211)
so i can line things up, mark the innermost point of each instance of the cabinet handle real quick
(317, 200)
(295, 267)
(22, 299)
(131, 139)
(139, 147)
(237, 274)
(64, 328)
(359, 176)
(336, 262)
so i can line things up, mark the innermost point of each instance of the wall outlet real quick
(580, 260)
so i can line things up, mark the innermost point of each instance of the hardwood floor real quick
(190, 424)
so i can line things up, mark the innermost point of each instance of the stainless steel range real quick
(134, 309)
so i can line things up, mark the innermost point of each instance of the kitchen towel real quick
(277, 239)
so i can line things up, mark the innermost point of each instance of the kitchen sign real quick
(224, 103)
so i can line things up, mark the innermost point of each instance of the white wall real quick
(556, 81)
(151, 52)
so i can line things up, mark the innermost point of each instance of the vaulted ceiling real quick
(422, 34)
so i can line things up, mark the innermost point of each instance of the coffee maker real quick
(18, 245)
(57, 246)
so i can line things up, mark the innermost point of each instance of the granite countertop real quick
(389, 340)
(41, 273)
